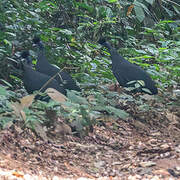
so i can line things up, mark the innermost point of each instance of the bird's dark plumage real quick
(102, 41)
(28, 61)
(45, 67)
(34, 81)
(124, 71)
(36, 40)
(25, 54)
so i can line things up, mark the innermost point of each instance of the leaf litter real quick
(145, 146)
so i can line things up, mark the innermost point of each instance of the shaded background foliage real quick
(70, 30)
(146, 32)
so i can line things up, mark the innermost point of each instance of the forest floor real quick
(116, 149)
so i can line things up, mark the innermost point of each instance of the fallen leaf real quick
(18, 110)
(17, 174)
(147, 164)
(23, 115)
(62, 129)
(40, 131)
(55, 95)
(27, 101)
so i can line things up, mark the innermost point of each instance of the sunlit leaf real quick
(112, 1)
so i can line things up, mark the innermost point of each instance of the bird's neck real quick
(41, 46)
(114, 54)
(110, 48)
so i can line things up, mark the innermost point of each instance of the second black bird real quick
(45, 67)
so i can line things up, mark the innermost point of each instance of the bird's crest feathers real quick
(36, 40)
(102, 41)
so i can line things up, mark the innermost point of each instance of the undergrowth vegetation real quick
(70, 30)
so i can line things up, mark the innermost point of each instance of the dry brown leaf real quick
(171, 117)
(40, 131)
(147, 164)
(130, 8)
(55, 95)
(167, 163)
(18, 174)
(62, 129)
(90, 98)
(17, 108)
(78, 170)
(23, 115)
(140, 126)
(163, 172)
(115, 87)
(27, 101)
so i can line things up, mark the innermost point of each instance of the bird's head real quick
(36, 40)
(25, 55)
(102, 41)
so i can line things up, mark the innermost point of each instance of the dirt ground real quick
(116, 149)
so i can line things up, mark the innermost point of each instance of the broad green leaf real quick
(8, 84)
(117, 112)
(150, 1)
(75, 98)
(12, 34)
(112, 1)
(3, 91)
(139, 13)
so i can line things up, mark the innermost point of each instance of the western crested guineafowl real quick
(45, 67)
(34, 80)
(124, 71)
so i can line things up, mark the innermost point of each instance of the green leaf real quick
(139, 12)
(85, 6)
(177, 11)
(65, 31)
(150, 1)
(75, 98)
(3, 91)
(112, 1)
(12, 34)
(118, 112)
(8, 84)
(7, 42)
(6, 122)
(169, 12)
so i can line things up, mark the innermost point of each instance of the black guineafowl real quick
(45, 67)
(124, 71)
(34, 80)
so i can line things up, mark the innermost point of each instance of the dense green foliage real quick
(145, 32)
